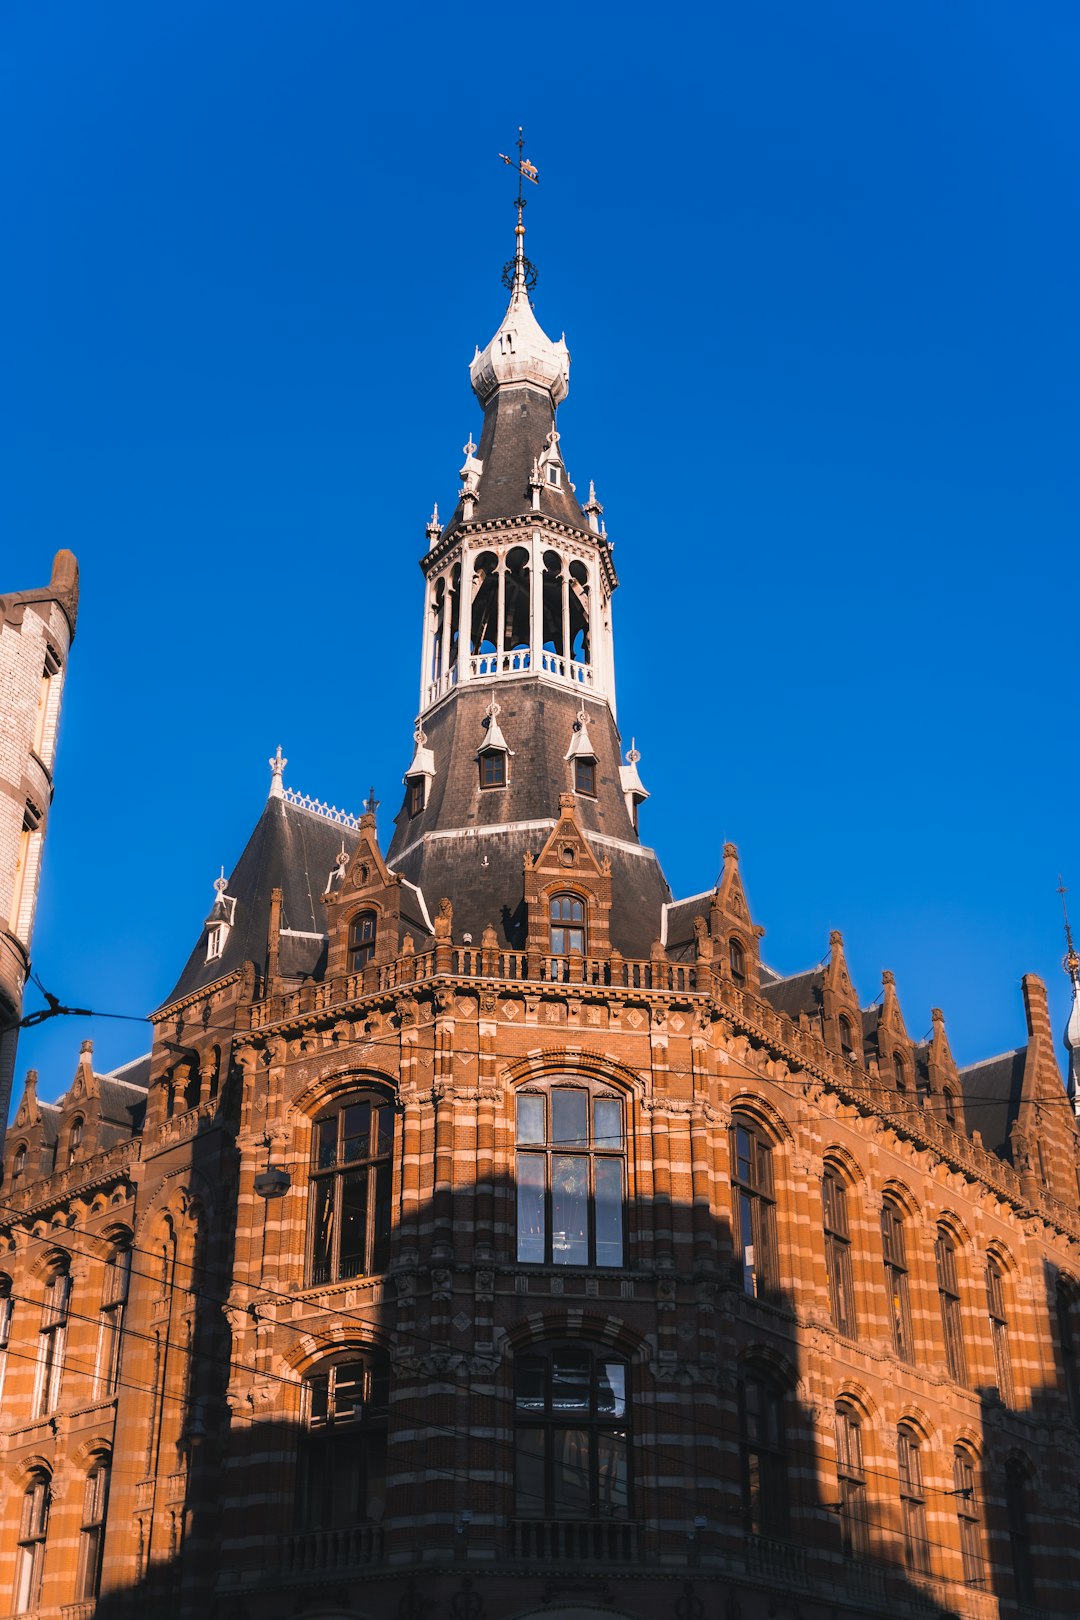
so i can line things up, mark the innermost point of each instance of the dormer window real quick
(492, 768)
(567, 925)
(737, 961)
(585, 776)
(362, 934)
(75, 1137)
(847, 1037)
(18, 1163)
(417, 794)
(554, 475)
(215, 941)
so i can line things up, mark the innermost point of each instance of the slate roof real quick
(678, 935)
(798, 993)
(294, 849)
(992, 1097)
(517, 421)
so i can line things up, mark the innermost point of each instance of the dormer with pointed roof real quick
(736, 939)
(841, 1017)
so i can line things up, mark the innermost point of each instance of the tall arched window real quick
(912, 1500)
(18, 1163)
(737, 960)
(753, 1207)
(351, 1186)
(571, 1174)
(7, 1310)
(571, 1434)
(851, 1480)
(362, 934)
(567, 919)
(965, 1491)
(762, 1454)
(113, 1304)
(847, 1037)
(949, 1300)
(342, 1478)
(52, 1336)
(838, 1252)
(33, 1531)
(901, 1071)
(894, 1253)
(999, 1329)
(949, 1102)
(92, 1535)
(1016, 1493)
(1065, 1302)
(75, 1138)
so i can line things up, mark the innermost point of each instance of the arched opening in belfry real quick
(579, 613)
(553, 603)
(517, 631)
(438, 620)
(485, 602)
(455, 599)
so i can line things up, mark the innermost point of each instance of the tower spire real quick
(1071, 964)
(519, 273)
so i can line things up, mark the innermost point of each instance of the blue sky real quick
(816, 269)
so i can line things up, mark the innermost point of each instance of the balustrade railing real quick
(566, 1541)
(314, 1552)
(777, 1560)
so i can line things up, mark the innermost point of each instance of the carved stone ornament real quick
(444, 920)
(445, 1364)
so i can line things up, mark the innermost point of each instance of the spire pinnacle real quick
(519, 274)
(277, 771)
(1071, 960)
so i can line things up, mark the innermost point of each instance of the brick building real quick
(36, 632)
(489, 1233)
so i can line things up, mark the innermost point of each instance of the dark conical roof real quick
(517, 427)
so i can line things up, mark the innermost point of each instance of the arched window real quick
(965, 1491)
(18, 1163)
(567, 919)
(342, 1479)
(92, 1535)
(52, 1336)
(949, 1301)
(762, 1454)
(912, 1500)
(949, 1102)
(851, 1480)
(111, 1330)
(571, 1434)
(75, 1138)
(753, 1207)
(33, 1531)
(847, 1037)
(838, 1252)
(1065, 1300)
(351, 1185)
(900, 1070)
(999, 1329)
(894, 1253)
(362, 932)
(571, 1175)
(1016, 1493)
(737, 960)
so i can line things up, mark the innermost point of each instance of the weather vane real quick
(520, 271)
(1071, 964)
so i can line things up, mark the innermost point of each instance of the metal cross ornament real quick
(519, 265)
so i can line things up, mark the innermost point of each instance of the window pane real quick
(380, 1250)
(609, 1217)
(530, 1119)
(530, 1208)
(569, 1117)
(570, 1381)
(384, 1131)
(348, 1392)
(529, 1473)
(611, 1389)
(743, 1160)
(570, 1473)
(327, 1143)
(353, 1223)
(569, 1210)
(612, 1482)
(607, 1122)
(319, 1399)
(529, 1384)
(324, 1230)
(356, 1142)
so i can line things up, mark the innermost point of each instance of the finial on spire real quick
(371, 803)
(1071, 960)
(220, 884)
(434, 527)
(277, 771)
(519, 274)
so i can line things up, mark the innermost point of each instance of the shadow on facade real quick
(459, 1450)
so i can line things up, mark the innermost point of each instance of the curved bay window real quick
(352, 1177)
(342, 1478)
(362, 933)
(999, 1329)
(912, 1500)
(753, 1207)
(571, 1434)
(92, 1533)
(567, 918)
(949, 1299)
(850, 1480)
(838, 1252)
(894, 1254)
(570, 1177)
(52, 1338)
(33, 1531)
(762, 1454)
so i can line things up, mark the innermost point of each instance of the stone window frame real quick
(754, 1203)
(374, 1165)
(95, 1510)
(762, 1428)
(852, 1506)
(596, 1149)
(341, 1436)
(360, 947)
(947, 1247)
(572, 1438)
(52, 1336)
(910, 1446)
(838, 1248)
(894, 1222)
(33, 1539)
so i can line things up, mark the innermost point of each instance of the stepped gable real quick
(992, 1091)
(294, 849)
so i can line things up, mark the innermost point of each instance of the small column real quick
(500, 636)
(465, 607)
(536, 605)
(565, 577)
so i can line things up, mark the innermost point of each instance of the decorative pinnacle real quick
(469, 450)
(1071, 960)
(277, 771)
(220, 884)
(419, 734)
(633, 753)
(434, 527)
(371, 803)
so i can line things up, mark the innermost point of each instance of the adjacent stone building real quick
(36, 632)
(490, 1234)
